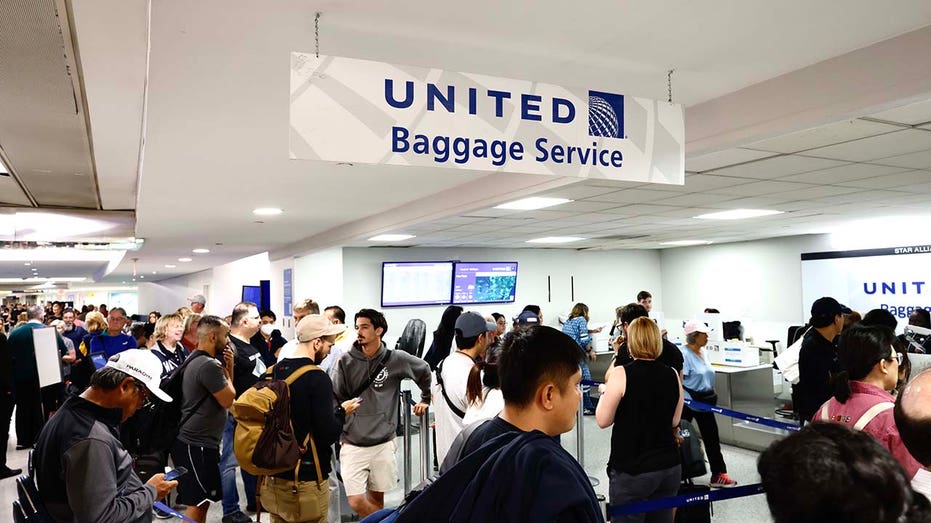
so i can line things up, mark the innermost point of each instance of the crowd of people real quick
(502, 392)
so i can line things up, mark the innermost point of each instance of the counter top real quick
(728, 369)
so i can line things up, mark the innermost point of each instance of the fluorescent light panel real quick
(738, 214)
(391, 237)
(532, 203)
(557, 239)
(35, 279)
(685, 243)
(267, 211)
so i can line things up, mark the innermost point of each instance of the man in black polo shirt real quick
(817, 359)
(249, 366)
(671, 355)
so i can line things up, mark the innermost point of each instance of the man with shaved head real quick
(913, 419)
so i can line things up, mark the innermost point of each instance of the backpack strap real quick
(873, 411)
(374, 374)
(824, 412)
(449, 403)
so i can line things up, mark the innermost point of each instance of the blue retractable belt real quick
(704, 407)
(685, 500)
(174, 513)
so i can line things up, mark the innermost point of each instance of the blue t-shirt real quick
(697, 374)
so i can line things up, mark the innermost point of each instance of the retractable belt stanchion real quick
(579, 441)
(406, 419)
(425, 460)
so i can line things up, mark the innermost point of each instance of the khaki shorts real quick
(310, 504)
(369, 468)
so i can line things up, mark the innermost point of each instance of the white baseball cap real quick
(142, 365)
(696, 326)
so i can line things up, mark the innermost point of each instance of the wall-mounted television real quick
(484, 282)
(406, 284)
(252, 293)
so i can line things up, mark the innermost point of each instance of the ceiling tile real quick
(763, 188)
(577, 191)
(779, 166)
(586, 206)
(919, 160)
(824, 135)
(641, 209)
(630, 196)
(821, 191)
(918, 112)
(911, 179)
(876, 147)
(723, 158)
(844, 173)
(696, 199)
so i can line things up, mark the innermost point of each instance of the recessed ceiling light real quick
(557, 239)
(142, 275)
(154, 272)
(737, 214)
(185, 260)
(684, 243)
(391, 237)
(267, 211)
(201, 251)
(533, 203)
(27, 264)
(170, 266)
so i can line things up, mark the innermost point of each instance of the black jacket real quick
(515, 477)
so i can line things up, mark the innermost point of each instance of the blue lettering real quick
(868, 290)
(570, 110)
(888, 287)
(440, 149)
(530, 102)
(434, 94)
(499, 97)
(408, 94)
(498, 152)
(461, 150)
(540, 145)
(918, 285)
(617, 158)
(399, 139)
(473, 102)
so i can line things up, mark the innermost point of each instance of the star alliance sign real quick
(606, 119)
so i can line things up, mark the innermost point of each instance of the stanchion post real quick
(425, 456)
(406, 419)
(579, 445)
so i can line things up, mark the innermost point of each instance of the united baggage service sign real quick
(348, 110)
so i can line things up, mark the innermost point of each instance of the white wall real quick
(319, 276)
(603, 280)
(758, 283)
(223, 283)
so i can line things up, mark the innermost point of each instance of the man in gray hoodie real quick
(373, 373)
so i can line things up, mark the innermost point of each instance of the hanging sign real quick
(359, 111)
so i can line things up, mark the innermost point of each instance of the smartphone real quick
(172, 475)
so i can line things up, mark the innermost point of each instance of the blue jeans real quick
(228, 466)
(586, 375)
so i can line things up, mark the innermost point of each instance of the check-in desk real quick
(748, 390)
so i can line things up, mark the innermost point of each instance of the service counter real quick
(748, 390)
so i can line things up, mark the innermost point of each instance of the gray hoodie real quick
(375, 421)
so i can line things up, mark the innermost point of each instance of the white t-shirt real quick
(922, 482)
(456, 369)
(287, 350)
(491, 407)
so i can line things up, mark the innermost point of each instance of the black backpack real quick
(155, 428)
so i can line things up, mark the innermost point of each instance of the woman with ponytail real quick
(483, 390)
(869, 358)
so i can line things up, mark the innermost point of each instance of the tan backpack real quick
(264, 441)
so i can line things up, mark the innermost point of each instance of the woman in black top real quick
(312, 414)
(643, 400)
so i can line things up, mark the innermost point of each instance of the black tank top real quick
(641, 439)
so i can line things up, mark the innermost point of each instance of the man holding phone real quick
(82, 470)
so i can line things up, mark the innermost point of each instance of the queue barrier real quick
(174, 513)
(425, 461)
(684, 500)
(704, 407)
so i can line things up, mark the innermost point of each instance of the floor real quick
(741, 465)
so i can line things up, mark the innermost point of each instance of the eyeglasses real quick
(143, 392)
(897, 356)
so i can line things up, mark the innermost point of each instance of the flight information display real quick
(405, 284)
(484, 282)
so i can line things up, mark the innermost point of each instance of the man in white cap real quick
(473, 336)
(197, 303)
(81, 468)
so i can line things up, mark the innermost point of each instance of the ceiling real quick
(182, 110)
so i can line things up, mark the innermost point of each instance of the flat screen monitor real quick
(99, 359)
(485, 282)
(405, 284)
(252, 293)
